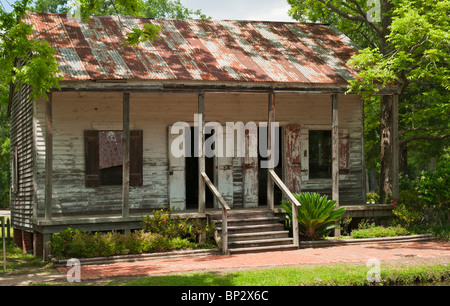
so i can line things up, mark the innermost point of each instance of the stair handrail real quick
(225, 209)
(294, 201)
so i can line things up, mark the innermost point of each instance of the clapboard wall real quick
(75, 112)
(22, 162)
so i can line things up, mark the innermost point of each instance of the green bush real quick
(379, 231)
(316, 215)
(79, 244)
(425, 198)
(162, 232)
(372, 198)
(165, 223)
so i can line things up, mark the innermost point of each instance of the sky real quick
(264, 10)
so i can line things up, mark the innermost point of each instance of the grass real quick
(17, 261)
(335, 275)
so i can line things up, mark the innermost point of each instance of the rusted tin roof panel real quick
(195, 50)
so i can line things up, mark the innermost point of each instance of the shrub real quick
(165, 223)
(425, 198)
(162, 232)
(316, 215)
(79, 244)
(372, 198)
(379, 231)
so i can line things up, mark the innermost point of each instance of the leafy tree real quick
(38, 66)
(407, 46)
(4, 146)
(147, 8)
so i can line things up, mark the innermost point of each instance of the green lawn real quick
(335, 275)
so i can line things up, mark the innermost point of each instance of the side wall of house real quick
(22, 163)
(73, 113)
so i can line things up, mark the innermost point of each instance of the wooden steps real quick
(253, 231)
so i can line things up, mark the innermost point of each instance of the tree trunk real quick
(386, 150)
(389, 149)
(403, 159)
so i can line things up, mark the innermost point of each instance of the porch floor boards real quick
(365, 210)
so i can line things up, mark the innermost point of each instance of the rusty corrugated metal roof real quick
(196, 50)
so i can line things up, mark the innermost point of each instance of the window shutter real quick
(177, 182)
(304, 143)
(344, 154)
(293, 167)
(136, 158)
(250, 168)
(91, 149)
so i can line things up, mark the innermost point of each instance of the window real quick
(110, 157)
(103, 157)
(320, 154)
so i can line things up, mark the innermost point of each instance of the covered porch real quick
(128, 219)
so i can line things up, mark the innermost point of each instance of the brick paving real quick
(329, 255)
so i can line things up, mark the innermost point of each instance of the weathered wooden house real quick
(98, 153)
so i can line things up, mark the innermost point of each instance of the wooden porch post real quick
(271, 119)
(335, 155)
(201, 155)
(126, 156)
(48, 157)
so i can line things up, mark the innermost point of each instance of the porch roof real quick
(198, 51)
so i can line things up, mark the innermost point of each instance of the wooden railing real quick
(295, 204)
(225, 209)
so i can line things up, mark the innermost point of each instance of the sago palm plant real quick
(316, 215)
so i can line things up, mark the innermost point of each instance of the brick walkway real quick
(330, 255)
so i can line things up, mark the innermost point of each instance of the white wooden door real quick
(177, 164)
(250, 168)
(224, 168)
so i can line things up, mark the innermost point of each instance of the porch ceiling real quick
(202, 51)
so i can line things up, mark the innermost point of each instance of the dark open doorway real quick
(192, 177)
(262, 173)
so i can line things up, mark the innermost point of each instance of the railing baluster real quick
(225, 209)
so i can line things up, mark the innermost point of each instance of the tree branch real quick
(362, 17)
(420, 128)
(423, 137)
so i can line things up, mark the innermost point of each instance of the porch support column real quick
(48, 157)
(201, 155)
(335, 155)
(270, 182)
(126, 156)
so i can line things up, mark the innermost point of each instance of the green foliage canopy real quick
(408, 46)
